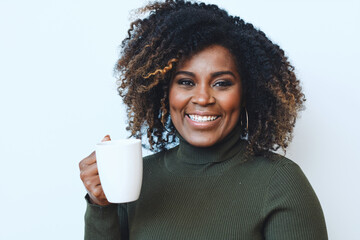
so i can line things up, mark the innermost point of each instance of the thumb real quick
(106, 138)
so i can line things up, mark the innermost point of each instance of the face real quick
(205, 96)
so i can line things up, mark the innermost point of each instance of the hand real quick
(90, 177)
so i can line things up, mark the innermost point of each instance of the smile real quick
(198, 118)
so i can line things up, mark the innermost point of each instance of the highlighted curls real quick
(162, 72)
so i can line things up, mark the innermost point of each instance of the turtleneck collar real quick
(191, 158)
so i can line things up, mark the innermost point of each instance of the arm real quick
(291, 209)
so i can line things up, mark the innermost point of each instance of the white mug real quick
(120, 168)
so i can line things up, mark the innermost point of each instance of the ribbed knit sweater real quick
(214, 193)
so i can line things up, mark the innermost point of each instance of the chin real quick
(201, 141)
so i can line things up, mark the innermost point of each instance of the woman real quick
(215, 97)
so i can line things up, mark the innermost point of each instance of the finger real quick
(97, 196)
(91, 183)
(89, 180)
(92, 169)
(102, 201)
(85, 163)
(98, 193)
(89, 171)
(106, 138)
(103, 198)
(88, 160)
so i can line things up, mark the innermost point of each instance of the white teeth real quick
(198, 118)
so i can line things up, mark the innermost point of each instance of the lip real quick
(203, 114)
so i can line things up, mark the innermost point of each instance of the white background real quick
(58, 98)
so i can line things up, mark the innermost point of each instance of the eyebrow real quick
(185, 73)
(215, 74)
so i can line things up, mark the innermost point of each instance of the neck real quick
(189, 159)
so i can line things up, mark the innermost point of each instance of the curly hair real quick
(175, 30)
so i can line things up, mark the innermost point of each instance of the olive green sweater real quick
(214, 193)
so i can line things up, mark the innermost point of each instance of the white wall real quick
(58, 98)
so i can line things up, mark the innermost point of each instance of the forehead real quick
(214, 57)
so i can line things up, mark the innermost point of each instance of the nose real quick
(203, 95)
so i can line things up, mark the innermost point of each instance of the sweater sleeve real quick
(106, 222)
(292, 209)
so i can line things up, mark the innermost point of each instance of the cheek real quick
(176, 105)
(230, 102)
(177, 100)
(172, 100)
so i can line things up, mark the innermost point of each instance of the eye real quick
(223, 83)
(185, 82)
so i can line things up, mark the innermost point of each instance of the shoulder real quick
(285, 178)
(283, 167)
(274, 160)
(277, 173)
(272, 164)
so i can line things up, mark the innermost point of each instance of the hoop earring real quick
(247, 120)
